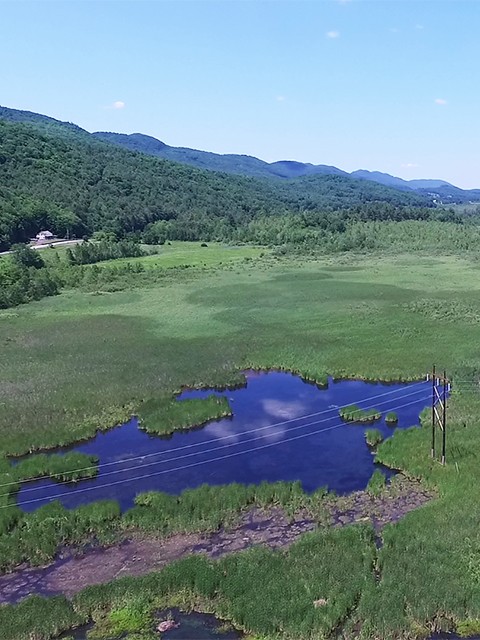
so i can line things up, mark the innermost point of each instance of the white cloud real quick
(343, 1)
(440, 101)
(283, 410)
(333, 34)
(280, 98)
(394, 30)
(223, 431)
(118, 104)
(410, 165)
(419, 27)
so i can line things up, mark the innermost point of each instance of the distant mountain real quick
(228, 163)
(449, 194)
(293, 169)
(430, 184)
(437, 191)
(434, 190)
(399, 183)
(57, 176)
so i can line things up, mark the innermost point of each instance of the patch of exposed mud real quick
(141, 554)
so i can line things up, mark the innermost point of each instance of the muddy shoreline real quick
(74, 569)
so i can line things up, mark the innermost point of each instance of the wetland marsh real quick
(87, 360)
(282, 429)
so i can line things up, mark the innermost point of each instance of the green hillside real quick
(229, 163)
(58, 176)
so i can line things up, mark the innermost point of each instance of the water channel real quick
(282, 428)
(186, 626)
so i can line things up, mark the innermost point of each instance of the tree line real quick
(26, 276)
(76, 185)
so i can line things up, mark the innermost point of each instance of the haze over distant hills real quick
(248, 165)
(57, 176)
(399, 183)
(438, 191)
(228, 163)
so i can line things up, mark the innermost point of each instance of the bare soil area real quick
(71, 572)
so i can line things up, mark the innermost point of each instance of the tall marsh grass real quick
(353, 413)
(164, 416)
(358, 316)
(331, 564)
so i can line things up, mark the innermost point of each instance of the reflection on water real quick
(282, 429)
(197, 626)
(187, 626)
(452, 636)
(202, 626)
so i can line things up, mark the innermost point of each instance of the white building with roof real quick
(44, 235)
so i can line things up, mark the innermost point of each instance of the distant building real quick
(44, 235)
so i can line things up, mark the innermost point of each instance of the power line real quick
(194, 464)
(212, 440)
(226, 446)
(182, 448)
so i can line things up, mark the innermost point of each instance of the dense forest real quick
(244, 165)
(59, 177)
(228, 163)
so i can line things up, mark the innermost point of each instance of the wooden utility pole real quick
(434, 384)
(439, 410)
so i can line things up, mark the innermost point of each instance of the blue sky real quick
(389, 85)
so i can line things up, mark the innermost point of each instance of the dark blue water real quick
(272, 436)
(197, 626)
(189, 626)
(452, 636)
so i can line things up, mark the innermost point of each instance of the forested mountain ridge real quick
(48, 124)
(228, 163)
(399, 183)
(433, 190)
(438, 191)
(60, 177)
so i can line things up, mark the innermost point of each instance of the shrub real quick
(376, 484)
(353, 413)
(391, 418)
(373, 437)
(469, 627)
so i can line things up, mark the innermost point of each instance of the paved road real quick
(46, 245)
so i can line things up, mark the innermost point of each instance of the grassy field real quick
(82, 361)
(174, 254)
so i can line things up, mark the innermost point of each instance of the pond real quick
(282, 428)
(452, 636)
(202, 626)
(197, 626)
(185, 626)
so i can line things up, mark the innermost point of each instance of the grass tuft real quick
(373, 437)
(352, 413)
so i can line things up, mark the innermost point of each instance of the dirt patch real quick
(399, 498)
(142, 554)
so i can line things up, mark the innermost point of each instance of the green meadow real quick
(86, 360)
(175, 253)
(82, 361)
